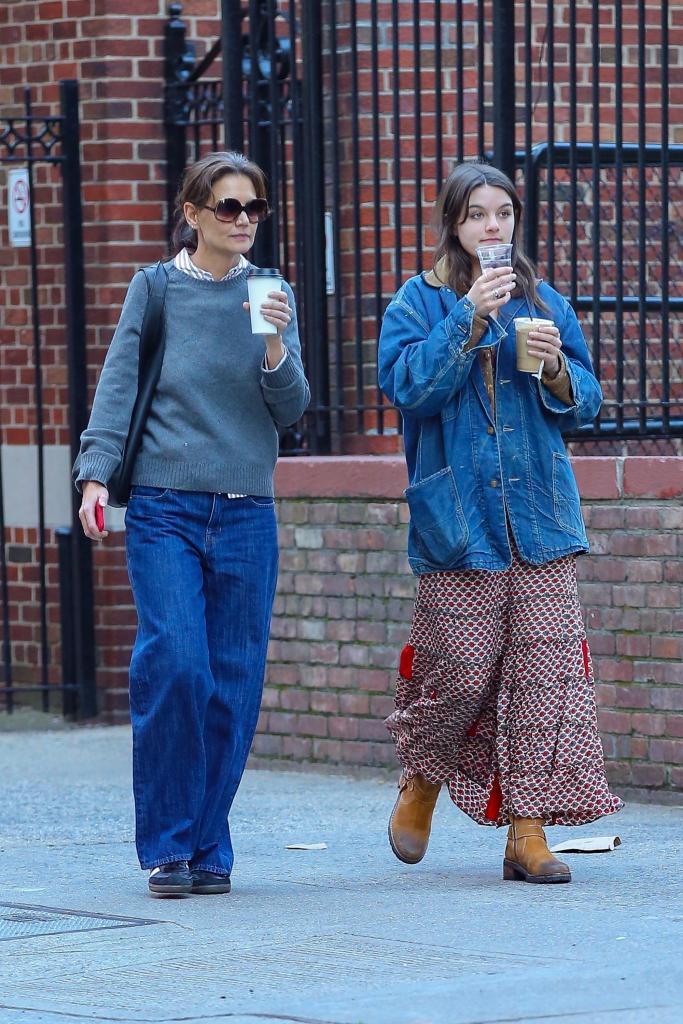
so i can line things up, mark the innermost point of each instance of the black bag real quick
(149, 370)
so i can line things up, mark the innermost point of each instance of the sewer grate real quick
(23, 920)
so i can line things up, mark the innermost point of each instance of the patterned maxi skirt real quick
(495, 696)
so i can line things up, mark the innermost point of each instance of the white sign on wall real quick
(18, 205)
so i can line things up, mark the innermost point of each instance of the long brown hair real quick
(451, 209)
(197, 186)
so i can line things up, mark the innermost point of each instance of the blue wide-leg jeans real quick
(203, 569)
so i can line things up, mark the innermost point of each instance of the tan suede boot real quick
(527, 857)
(411, 819)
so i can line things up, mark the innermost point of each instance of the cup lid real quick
(264, 272)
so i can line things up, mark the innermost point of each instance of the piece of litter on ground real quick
(306, 846)
(595, 844)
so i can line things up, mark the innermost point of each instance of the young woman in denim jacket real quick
(201, 536)
(495, 694)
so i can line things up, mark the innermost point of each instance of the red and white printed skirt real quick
(495, 696)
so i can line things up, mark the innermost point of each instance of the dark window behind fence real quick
(359, 109)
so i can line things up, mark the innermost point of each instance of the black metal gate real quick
(45, 574)
(357, 109)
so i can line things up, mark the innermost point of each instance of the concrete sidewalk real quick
(347, 935)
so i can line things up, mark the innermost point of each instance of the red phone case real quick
(99, 517)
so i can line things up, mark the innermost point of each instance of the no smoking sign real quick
(19, 203)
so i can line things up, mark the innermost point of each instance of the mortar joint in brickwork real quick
(619, 472)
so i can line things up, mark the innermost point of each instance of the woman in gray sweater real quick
(201, 538)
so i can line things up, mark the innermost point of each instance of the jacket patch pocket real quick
(437, 518)
(566, 503)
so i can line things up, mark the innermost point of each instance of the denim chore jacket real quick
(467, 465)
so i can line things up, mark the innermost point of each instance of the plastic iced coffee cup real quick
(498, 254)
(525, 362)
(261, 281)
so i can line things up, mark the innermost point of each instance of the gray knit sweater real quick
(211, 426)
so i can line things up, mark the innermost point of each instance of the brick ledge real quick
(384, 477)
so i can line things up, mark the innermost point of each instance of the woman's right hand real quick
(492, 290)
(93, 493)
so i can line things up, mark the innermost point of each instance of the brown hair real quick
(197, 186)
(452, 207)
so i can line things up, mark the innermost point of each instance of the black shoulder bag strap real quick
(149, 370)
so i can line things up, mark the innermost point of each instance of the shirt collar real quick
(183, 261)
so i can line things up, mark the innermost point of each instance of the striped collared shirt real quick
(183, 261)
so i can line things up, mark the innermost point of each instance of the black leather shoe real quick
(172, 879)
(206, 883)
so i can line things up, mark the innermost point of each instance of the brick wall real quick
(345, 601)
(345, 598)
(115, 50)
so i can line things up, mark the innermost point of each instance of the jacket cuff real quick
(467, 329)
(479, 328)
(560, 385)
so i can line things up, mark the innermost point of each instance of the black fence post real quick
(539, 155)
(66, 589)
(81, 553)
(314, 227)
(6, 663)
(504, 86)
(261, 115)
(231, 48)
(179, 61)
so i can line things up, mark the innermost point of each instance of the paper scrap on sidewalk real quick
(306, 846)
(596, 844)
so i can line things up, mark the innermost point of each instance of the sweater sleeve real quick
(285, 389)
(103, 440)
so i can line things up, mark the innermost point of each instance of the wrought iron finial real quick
(179, 52)
(267, 57)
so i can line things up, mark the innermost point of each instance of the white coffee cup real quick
(261, 281)
(527, 363)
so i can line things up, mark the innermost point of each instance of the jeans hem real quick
(147, 865)
(213, 868)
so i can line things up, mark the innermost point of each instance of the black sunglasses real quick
(227, 210)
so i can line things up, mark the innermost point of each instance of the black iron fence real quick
(608, 249)
(45, 573)
(358, 110)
